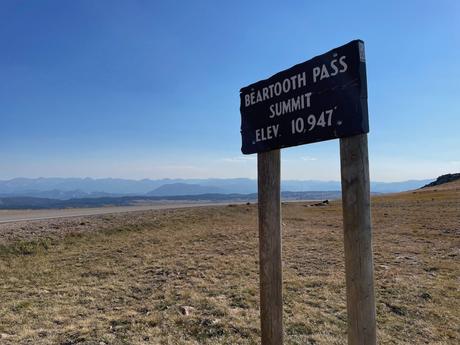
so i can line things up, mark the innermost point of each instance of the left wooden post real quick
(271, 299)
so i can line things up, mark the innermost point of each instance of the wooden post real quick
(359, 265)
(271, 300)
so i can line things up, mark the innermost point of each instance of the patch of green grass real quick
(298, 328)
(25, 247)
(22, 305)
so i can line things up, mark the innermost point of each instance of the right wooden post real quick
(359, 267)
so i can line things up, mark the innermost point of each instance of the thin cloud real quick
(239, 159)
(308, 158)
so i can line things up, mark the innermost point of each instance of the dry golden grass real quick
(190, 276)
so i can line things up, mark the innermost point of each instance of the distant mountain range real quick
(77, 188)
(71, 188)
(172, 189)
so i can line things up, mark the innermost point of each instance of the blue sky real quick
(150, 89)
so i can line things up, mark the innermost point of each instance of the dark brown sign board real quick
(320, 99)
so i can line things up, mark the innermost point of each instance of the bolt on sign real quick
(320, 99)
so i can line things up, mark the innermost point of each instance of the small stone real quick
(186, 310)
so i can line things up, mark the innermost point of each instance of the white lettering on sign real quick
(300, 125)
(291, 105)
(335, 67)
(292, 83)
(267, 133)
(323, 120)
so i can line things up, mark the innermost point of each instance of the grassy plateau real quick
(190, 276)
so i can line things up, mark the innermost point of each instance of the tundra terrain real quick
(190, 276)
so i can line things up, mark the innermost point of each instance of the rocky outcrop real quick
(443, 179)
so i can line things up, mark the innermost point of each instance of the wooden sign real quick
(320, 99)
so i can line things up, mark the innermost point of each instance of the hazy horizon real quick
(417, 175)
(196, 179)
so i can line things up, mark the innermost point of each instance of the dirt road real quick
(8, 216)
